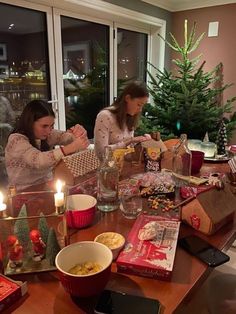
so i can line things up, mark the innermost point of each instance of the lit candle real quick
(2, 206)
(59, 196)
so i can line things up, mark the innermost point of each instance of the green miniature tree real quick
(21, 228)
(187, 101)
(53, 247)
(43, 228)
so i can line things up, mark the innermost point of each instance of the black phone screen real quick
(112, 302)
(203, 250)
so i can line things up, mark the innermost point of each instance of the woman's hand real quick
(139, 139)
(77, 130)
(79, 143)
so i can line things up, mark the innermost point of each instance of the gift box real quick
(10, 291)
(210, 210)
(71, 167)
(31, 234)
(150, 258)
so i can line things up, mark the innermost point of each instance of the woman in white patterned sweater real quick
(30, 155)
(115, 125)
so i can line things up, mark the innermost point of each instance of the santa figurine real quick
(15, 251)
(38, 245)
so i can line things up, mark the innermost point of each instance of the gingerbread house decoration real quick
(210, 210)
(72, 167)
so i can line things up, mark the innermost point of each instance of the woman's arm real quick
(73, 141)
(101, 133)
(19, 149)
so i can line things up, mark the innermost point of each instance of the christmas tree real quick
(188, 99)
(221, 139)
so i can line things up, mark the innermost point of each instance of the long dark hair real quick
(119, 107)
(33, 111)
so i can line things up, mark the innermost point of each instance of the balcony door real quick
(83, 62)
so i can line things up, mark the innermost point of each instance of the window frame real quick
(109, 14)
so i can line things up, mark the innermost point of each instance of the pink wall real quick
(214, 49)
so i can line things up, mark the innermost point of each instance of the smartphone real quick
(113, 302)
(203, 250)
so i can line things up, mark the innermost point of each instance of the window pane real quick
(85, 70)
(24, 73)
(131, 57)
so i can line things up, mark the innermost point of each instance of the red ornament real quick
(11, 240)
(15, 251)
(38, 245)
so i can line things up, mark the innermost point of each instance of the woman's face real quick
(135, 105)
(42, 127)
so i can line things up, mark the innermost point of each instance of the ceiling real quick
(180, 5)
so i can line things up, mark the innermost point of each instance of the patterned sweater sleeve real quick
(18, 148)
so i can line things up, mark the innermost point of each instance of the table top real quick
(46, 295)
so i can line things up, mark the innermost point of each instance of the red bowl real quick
(197, 161)
(81, 209)
(81, 252)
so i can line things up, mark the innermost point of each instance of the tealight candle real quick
(194, 144)
(2, 206)
(59, 196)
(209, 149)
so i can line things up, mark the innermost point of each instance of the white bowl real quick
(113, 240)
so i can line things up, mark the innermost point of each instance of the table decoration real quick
(71, 167)
(211, 209)
(31, 237)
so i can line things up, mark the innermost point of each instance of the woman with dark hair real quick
(115, 125)
(30, 154)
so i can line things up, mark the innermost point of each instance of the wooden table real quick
(46, 295)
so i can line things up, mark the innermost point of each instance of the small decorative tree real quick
(187, 101)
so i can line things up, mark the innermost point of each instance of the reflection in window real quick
(24, 73)
(131, 57)
(85, 70)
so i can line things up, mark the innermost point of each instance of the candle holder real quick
(194, 144)
(3, 214)
(59, 209)
(209, 149)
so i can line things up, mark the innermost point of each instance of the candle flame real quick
(59, 186)
(1, 198)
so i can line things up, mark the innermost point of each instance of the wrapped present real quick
(73, 166)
